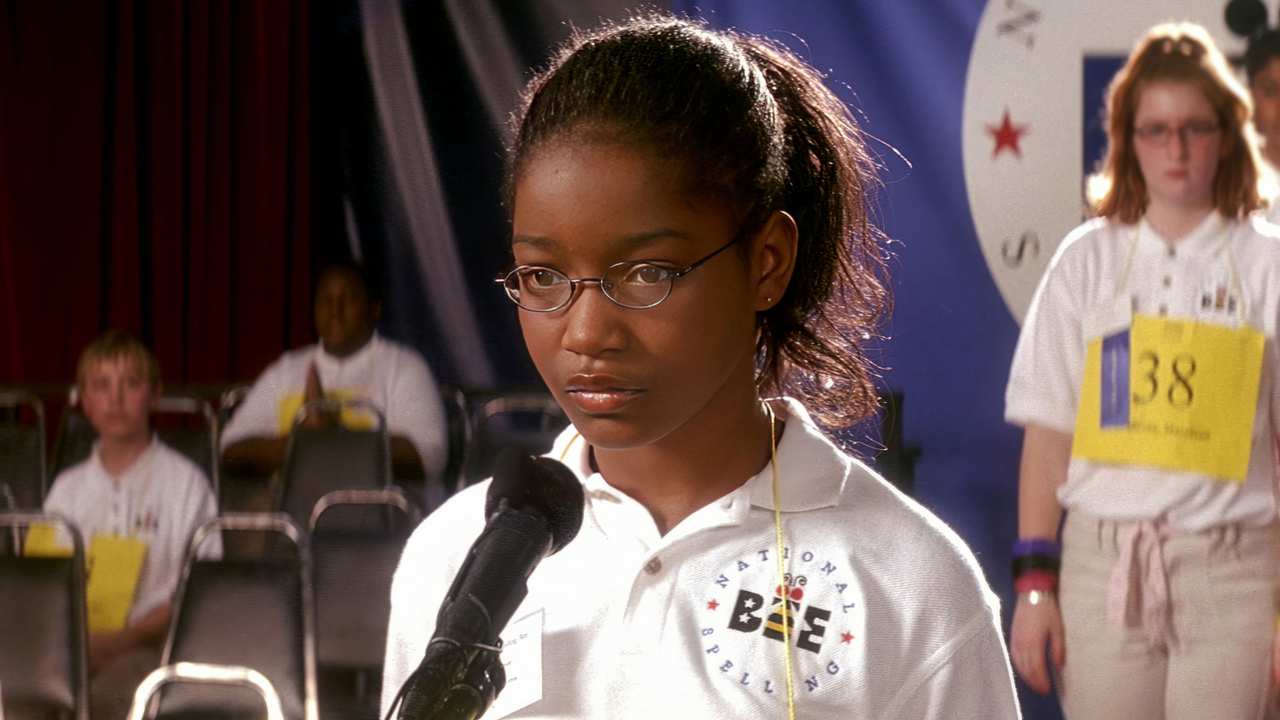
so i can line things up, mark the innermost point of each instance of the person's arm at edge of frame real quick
(1043, 468)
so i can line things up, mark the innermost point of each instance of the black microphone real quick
(534, 508)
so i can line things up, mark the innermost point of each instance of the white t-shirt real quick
(893, 618)
(160, 499)
(391, 376)
(1193, 280)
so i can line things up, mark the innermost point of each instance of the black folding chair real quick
(459, 427)
(356, 540)
(190, 426)
(319, 461)
(23, 477)
(897, 461)
(528, 420)
(216, 678)
(230, 400)
(44, 666)
(253, 613)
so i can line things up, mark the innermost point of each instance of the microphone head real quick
(538, 485)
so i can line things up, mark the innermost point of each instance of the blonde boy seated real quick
(136, 496)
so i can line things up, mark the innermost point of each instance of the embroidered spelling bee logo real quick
(814, 610)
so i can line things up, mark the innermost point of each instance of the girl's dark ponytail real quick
(811, 343)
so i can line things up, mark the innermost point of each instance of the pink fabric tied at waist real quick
(1138, 593)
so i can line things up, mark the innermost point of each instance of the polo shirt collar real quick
(1204, 240)
(811, 470)
(140, 463)
(325, 359)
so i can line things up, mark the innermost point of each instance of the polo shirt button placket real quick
(1166, 283)
(654, 566)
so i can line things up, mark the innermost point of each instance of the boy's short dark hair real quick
(114, 344)
(372, 288)
(1263, 48)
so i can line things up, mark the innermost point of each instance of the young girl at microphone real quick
(1146, 380)
(695, 271)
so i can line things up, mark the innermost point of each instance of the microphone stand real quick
(466, 699)
(456, 681)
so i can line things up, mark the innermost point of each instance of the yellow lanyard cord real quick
(782, 570)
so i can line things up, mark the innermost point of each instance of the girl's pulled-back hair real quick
(1177, 52)
(754, 124)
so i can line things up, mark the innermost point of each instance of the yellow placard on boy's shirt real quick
(353, 418)
(115, 565)
(42, 541)
(1174, 394)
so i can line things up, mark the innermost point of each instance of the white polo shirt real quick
(1190, 280)
(160, 499)
(892, 617)
(391, 376)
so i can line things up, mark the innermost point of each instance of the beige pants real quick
(1222, 608)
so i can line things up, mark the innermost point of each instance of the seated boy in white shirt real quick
(351, 362)
(132, 491)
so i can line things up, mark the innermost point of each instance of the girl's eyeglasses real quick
(633, 284)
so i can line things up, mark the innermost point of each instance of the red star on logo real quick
(712, 605)
(1007, 135)
(846, 637)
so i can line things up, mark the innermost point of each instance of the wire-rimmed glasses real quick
(633, 284)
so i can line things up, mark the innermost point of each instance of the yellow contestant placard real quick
(42, 541)
(353, 418)
(1179, 395)
(115, 564)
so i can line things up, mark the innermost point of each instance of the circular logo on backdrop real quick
(1033, 120)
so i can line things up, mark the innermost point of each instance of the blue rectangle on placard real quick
(1115, 380)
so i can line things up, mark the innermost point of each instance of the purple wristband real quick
(1036, 546)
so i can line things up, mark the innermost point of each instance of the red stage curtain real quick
(153, 176)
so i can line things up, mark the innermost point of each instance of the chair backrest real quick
(232, 682)
(254, 613)
(459, 426)
(897, 461)
(185, 424)
(23, 476)
(190, 426)
(319, 461)
(75, 437)
(353, 563)
(230, 400)
(43, 636)
(528, 420)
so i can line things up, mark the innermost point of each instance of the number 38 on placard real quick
(1172, 394)
(1173, 383)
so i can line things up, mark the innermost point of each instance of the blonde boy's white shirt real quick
(394, 378)
(1087, 274)
(895, 620)
(160, 500)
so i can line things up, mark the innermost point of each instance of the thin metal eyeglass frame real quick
(1186, 132)
(676, 273)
